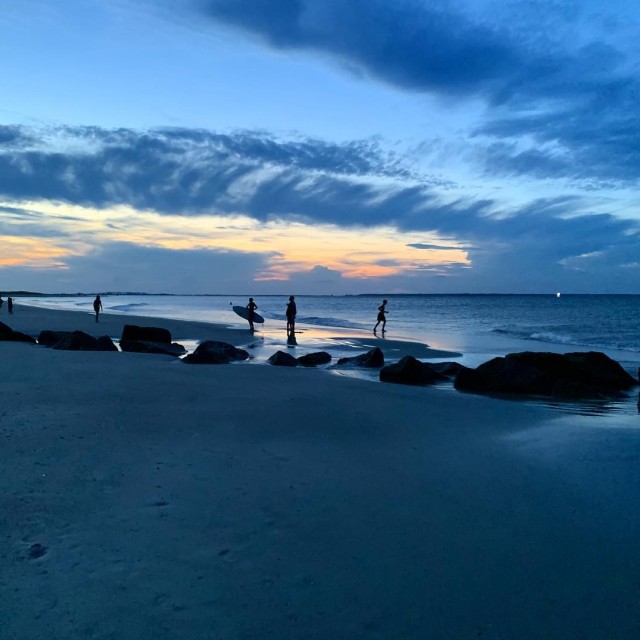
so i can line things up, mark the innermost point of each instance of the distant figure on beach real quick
(382, 310)
(1, 303)
(251, 312)
(291, 315)
(97, 307)
(10, 306)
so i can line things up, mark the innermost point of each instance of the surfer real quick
(382, 310)
(251, 312)
(97, 307)
(291, 315)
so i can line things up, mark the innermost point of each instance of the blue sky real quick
(320, 146)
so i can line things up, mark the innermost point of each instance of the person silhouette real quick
(382, 310)
(251, 313)
(1, 303)
(291, 315)
(10, 306)
(97, 307)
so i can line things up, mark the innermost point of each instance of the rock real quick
(215, 352)
(409, 370)
(282, 359)
(7, 334)
(145, 334)
(449, 369)
(146, 346)
(571, 375)
(16, 336)
(75, 341)
(314, 359)
(105, 343)
(373, 359)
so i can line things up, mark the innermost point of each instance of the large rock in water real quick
(282, 359)
(571, 375)
(373, 359)
(75, 341)
(314, 359)
(409, 370)
(145, 334)
(215, 352)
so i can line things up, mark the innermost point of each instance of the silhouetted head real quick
(250, 299)
(384, 302)
(292, 298)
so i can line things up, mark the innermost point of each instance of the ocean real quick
(479, 327)
(466, 323)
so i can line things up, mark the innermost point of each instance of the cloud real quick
(544, 85)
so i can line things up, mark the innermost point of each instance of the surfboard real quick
(243, 312)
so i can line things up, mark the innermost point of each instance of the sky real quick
(320, 146)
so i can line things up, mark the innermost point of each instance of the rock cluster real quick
(409, 370)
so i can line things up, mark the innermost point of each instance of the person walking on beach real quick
(291, 315)
(97, 307)
(251, 313)
(1, 303)
(10, 306)
(382, 310)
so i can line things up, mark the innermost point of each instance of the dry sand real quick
(142, 498)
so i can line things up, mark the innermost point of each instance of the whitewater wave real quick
(127, 307)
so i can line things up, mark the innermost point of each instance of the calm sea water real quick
(468, 323)
(477, 326)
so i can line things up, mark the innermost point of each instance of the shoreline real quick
(143, 500)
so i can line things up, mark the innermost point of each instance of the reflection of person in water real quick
(251, 313)
(291, 315)
(382, 310)
(97, 307)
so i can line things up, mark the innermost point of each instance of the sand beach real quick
(143, 498)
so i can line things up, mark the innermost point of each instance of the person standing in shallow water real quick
(251, 313)
(97, 307)
(291, 316)
(10, 306)
(382, 310)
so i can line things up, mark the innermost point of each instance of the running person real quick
(382, 310)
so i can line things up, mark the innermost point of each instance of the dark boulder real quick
(282, 359)
(409, 370)
(146, 346)
(5, 328)
(16, 336)
(373, 359)
(75, 341)
(145, 334)
(105, 343)
(570, 375)
(314, 359)
(449, 369)
(215, 352)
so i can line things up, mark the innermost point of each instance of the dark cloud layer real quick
(583, 96)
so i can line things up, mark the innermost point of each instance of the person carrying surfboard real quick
(251, 312)
(382, 310)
